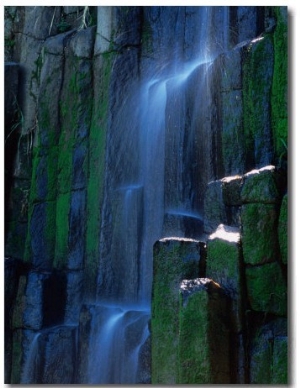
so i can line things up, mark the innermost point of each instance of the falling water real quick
(149, 194)
(32, 362)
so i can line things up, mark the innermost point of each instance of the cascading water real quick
(151, 196)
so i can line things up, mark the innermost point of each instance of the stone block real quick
(263, 186)
(224, 257)
(42, 235)
(174, 260)
(283, 229)
(204, 345)
(224, 265)
(267, 288)
(82, 44)
(231, 190)
(33, 314)
(74, 296)
(59, 355)
(259, 233)
(268, 352)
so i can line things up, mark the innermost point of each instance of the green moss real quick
(259, 237)
(280, 361)
(280, 83)
(97, 140)
(62, 229)
(173, 262)
(257, 83)
(261, 187)
(261, 360)
(194, 353)
(283, 229)
(267, 289)
(223, 261)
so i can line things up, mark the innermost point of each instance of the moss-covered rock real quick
(263, 186)
(268, 352)
(174, 260)
(204, 354)
(259, 233)
(267, 288)
(232, 133)
(224, 259)
(231, 189)
(283, 229)
(257, 85)
(279, 95)
(280, 360)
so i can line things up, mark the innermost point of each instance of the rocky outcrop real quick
(174, 260)
(116, 134)
(244, 264)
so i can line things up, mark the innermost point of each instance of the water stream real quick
(153, 198)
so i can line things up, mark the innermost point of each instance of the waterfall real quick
(149, 194)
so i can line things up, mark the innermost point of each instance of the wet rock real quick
(82, 43)
(76, 235)
(224, 265)
(174, 260)
(267, 288)
(144, 363)
(42, 233)
(258, 78)
(59, 355)
(232, 134)
(204, 347)
(224, 256)
(268, 354)
(259, 233)
(74, 296)
(214, 208)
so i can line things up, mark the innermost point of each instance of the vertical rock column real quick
(204, 341)
(174, 260)
(224, 265)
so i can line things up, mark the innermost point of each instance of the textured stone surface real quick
(174, 260)
(259, 233)
(262, 186)
(59, 355)
(224, 265)
(224, 257)
(267, 289)
(204, 341)
(269, 353)
(214, 208)
(283, 229)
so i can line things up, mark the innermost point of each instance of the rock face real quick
(119, 131)
(174, 260)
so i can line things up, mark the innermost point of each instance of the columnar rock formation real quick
(120, 126)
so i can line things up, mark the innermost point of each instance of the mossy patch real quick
(259, 233)
(62, 230)
(283, 229)
(257, 84)
(96, 154)
(173, 261)
(279, 97)
(267, 288)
